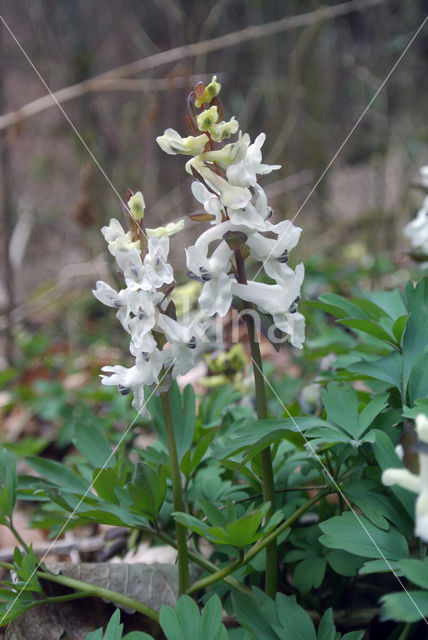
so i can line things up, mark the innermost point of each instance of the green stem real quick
(222, 574)
(17, 536)
(405, 631)
(268, 484)
(86, 589)
(183, 567)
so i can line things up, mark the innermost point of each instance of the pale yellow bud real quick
(137, 205)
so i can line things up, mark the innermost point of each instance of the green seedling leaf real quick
(148, 489)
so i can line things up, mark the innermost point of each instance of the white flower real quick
(273, 298)
(184, 342)
(235, 197)
(216, 295)
(130, 263)
(415, 483)
(210, 202)
(156, 269)
(417, 229)
(171, 142)
(141, 304)
(171, 229)
(244, 173)
(423, 172)
(230, 154)
(117, 239)
(293, 325)
(118, 300)
(254, 216)
(272, 252)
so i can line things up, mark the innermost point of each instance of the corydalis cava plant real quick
(162, 346)
(236, 206)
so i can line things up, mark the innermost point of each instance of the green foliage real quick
(114, 631)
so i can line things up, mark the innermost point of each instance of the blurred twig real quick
(179, 53)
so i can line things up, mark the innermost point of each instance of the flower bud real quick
(209, 93)
(207, 119)
(137, 205)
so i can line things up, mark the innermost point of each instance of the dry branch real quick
(106, 80)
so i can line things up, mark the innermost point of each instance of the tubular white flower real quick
(184, 342)
(235, 197)
(255, 215)
(171, 142)
(244, 173)
(415, 483)
(216, 295)
(130, 263)
(210, 202)
(293, 325)
(117, 239)
(156, 269)
(272, 298)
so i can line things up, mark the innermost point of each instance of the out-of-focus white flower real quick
(423, 172)
(171, 142)
(244, 173)
(171, 229)
(137, 205)
(415, 483)
(117, 239)
(417, 229)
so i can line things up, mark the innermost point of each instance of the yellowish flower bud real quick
(211, 91)
(171, 229)
(207, 118)
(137, 205)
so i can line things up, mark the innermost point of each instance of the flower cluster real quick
(162, 347)
(417, 229)
(236, 206)
(415, 483)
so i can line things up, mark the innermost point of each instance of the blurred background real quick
(304, 81)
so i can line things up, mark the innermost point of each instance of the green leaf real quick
(213, 514)
(376, 506)
(415, 338)
(362, 538)
(418, 380)
(370, 327)
(188, 616)
(370, 411)
(243, 531)
(211, 625)
(148, 489)
(341, 404)
(293, 620)
(93, 445)
(399, 327)
(416, 571)
(58, 474)
(343, 563)
(8, 484)
(326, 628)
(386, 369)
(193, 457)
(310, 573)
(104, 481)
(347, 308)
(405, 606)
